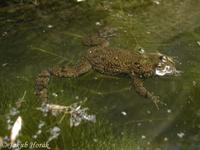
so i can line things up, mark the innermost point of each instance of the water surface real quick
(33, 38)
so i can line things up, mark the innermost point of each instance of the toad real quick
(115, 62)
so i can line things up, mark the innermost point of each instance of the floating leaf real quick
(15, 130)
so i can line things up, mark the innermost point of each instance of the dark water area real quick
(35, 35)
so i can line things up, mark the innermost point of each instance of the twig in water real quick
(47, 52)
(20, 100)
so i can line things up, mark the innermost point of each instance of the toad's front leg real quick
(141, 90)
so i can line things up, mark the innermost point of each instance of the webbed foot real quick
(101, 38)
(141, 90)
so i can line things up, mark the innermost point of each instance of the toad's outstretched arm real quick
(65, 71)
(141, 90)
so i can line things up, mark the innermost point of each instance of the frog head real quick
(166, 66)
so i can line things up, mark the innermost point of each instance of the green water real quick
(33, 38)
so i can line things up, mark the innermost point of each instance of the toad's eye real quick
(163, 58)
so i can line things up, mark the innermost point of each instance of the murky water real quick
(33, 38)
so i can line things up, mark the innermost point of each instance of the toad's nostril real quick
(161, 57)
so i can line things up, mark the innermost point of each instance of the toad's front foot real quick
(141, 90)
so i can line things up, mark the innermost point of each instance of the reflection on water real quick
(35, 37)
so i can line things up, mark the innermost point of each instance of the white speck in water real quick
(35, 136)
(148, 112)
(169, 111)
(194, 83)
(180, 134)
(156, 2)
(95, 140)
(141, 50)
(198, 126)
(143, 137)
(148, 32)
(4, 33)
(198, 43)
(98, 23)
(54, 133)
(80, 0)
(76, 97)
(41, 124)
(39, 132)
(148, 143)
(139, 124)
(4, 64)
(54, 94)
(50, 26)
(124, 113)
(165, 139)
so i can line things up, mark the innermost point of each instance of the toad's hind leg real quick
(59, 71)
(141, 90)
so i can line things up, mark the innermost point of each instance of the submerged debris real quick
(55, 94)
(143, 137)
(80, 0)
(141, 51)
(55, 108)
(77, 114)
(169, 111)
(40, 125)
(98, 23)
(4, 64)
(1, 142)
(21, 100)
(15, 130)
(4, 34)
(54, 133)
(13, 111)
(124, 113)
(50, 26)
(165, 139)
(181, 134)
(198, 43)
(157, 2)
(77, 97)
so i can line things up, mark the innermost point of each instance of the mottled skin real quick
(111, 61)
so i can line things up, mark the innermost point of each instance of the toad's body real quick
(112, 61)
(118, 61)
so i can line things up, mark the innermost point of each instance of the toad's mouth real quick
(167, 70)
